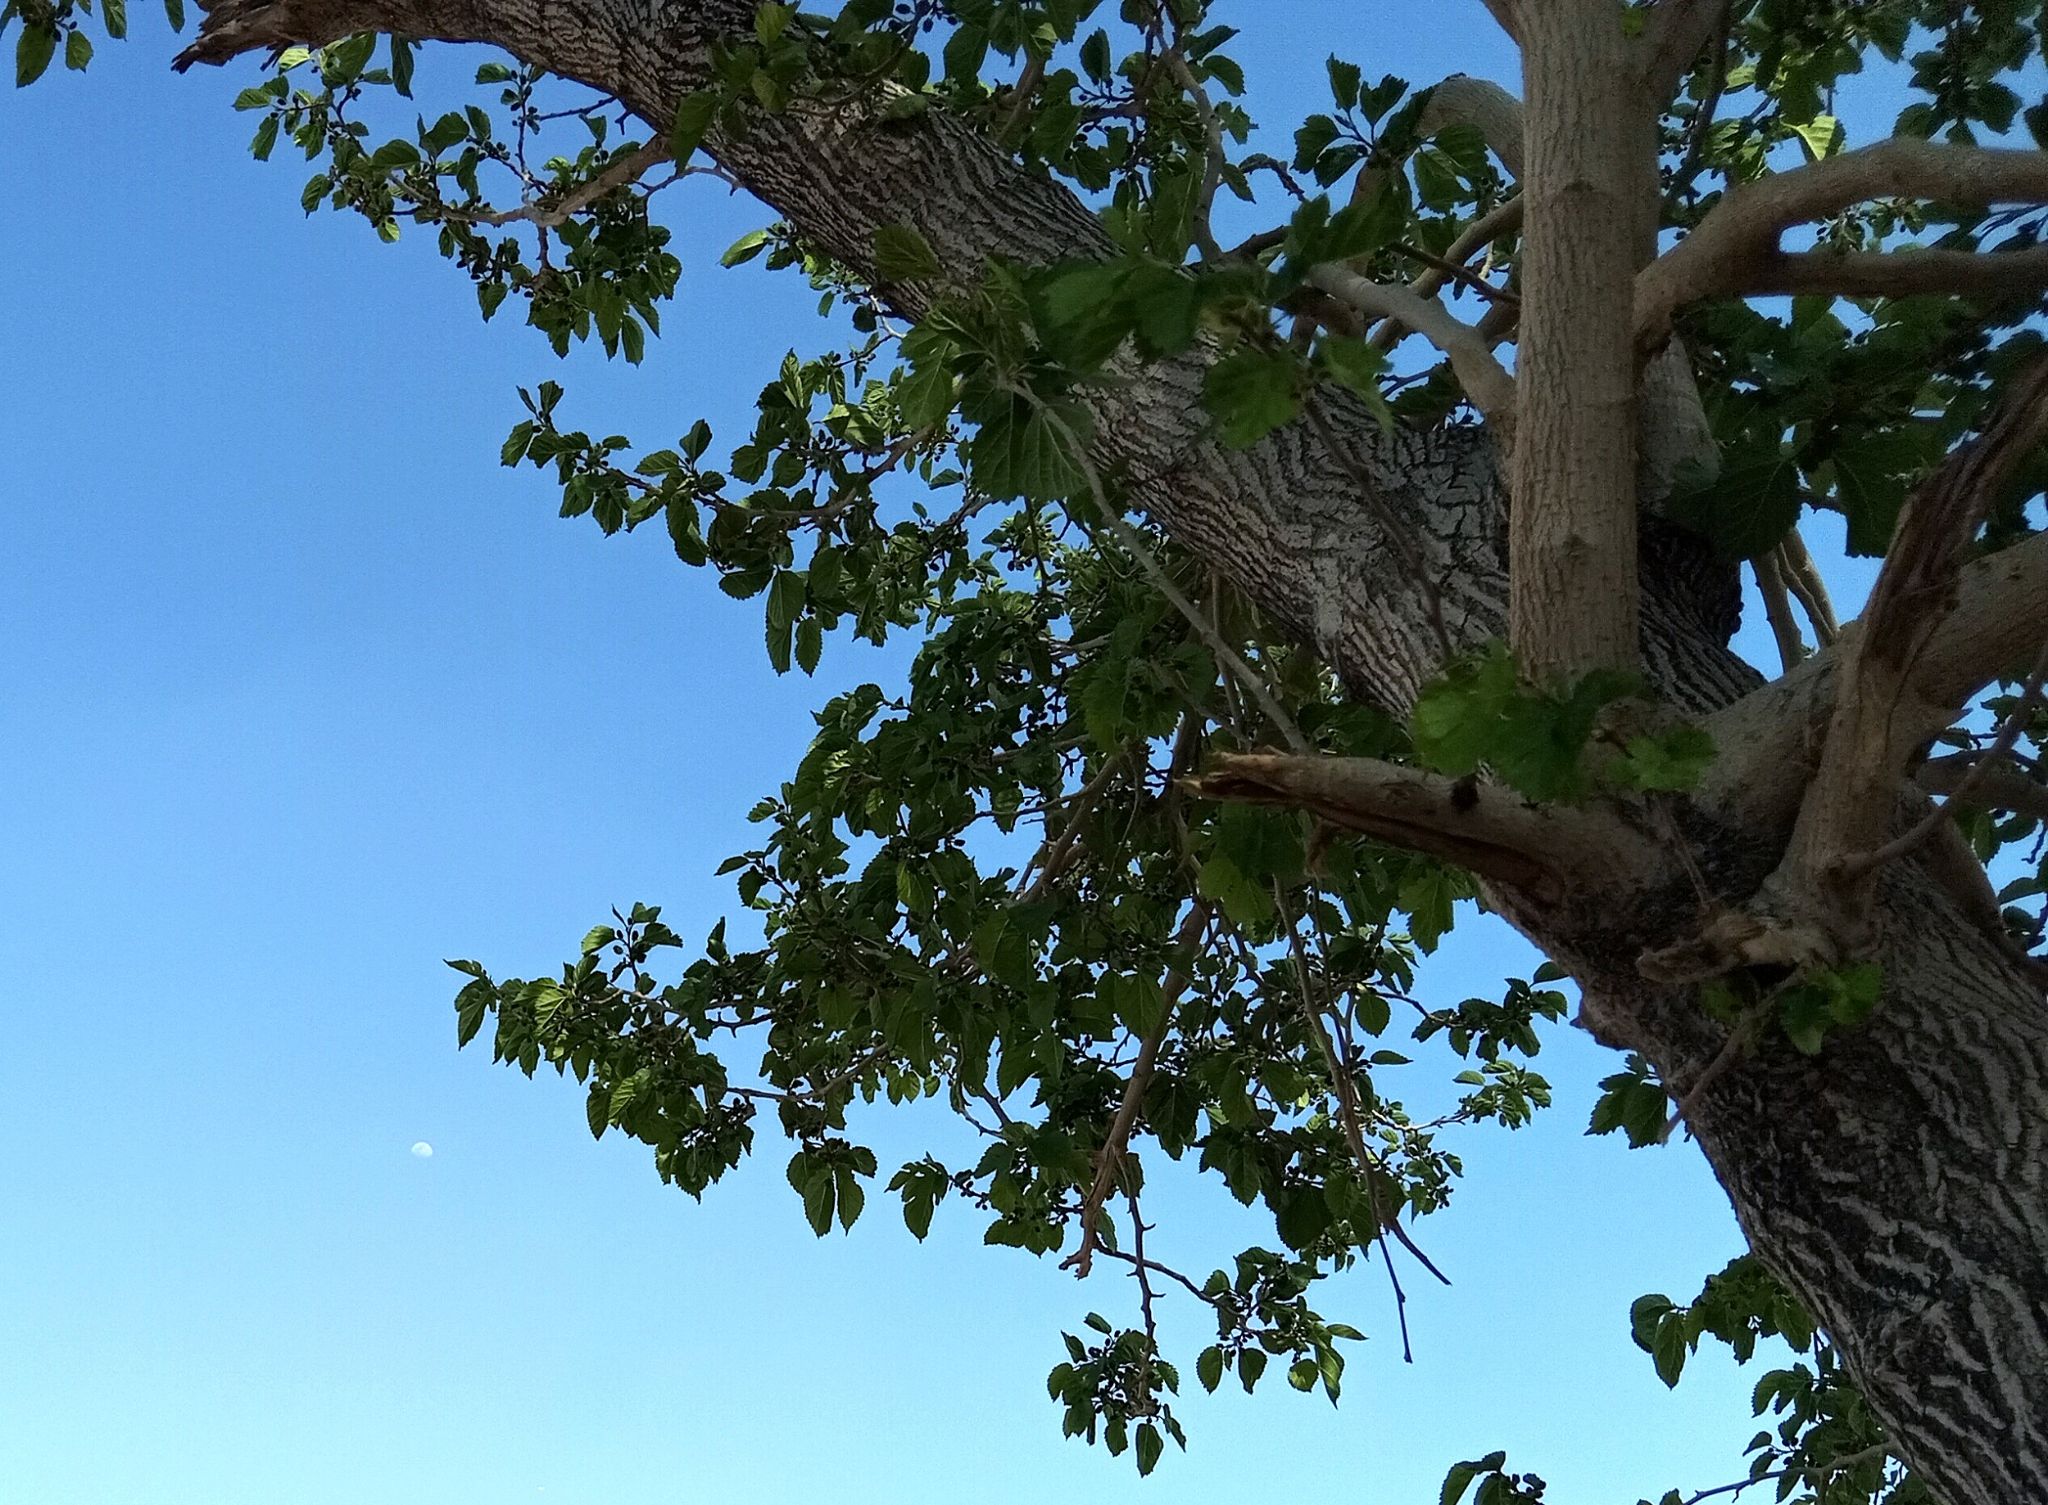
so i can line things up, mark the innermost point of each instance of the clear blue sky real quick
(303, 693)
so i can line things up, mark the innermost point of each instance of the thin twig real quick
(1809, 1473)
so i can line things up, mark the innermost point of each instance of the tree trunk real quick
(1897, 1181)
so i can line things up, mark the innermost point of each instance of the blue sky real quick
(303, 694)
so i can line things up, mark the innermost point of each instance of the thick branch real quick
(1879, 708)
(1677, 31)
(1736, 244)
(1544, 851)
(1486, 107)
(1769, 737)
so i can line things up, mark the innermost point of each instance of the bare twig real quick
(1347, 1114)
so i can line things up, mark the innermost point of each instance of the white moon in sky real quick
(422, 1151)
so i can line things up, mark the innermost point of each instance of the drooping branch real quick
(1109, 1160)
(1542, 850)
(1735, 248)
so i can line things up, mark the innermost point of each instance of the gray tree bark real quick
(1898, 1181)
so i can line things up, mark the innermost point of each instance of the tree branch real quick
(549, 214)
(1482, 104)
(1977, 780)
(1966, 787)
(1508, 14)
(1677, 31)
(1734, 249)
(1876, 724)
(1770, 583)
(1770, 735)
(1545, 851)
(1503, 219)
(1485, 379)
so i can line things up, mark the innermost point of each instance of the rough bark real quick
(1896, 1180)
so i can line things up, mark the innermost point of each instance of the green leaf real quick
(694, 114)
(1674, 760)
(77, 51)
(1150, 1446)
(772, 20)
(1251, 392)
(1358, 367)
(33, 50)
(1344, 82)
(1749, 507)
(902, 254)
(1821, 136)
(1243, 900)
(1209, 1367)
(1018, 452)
(745, 249)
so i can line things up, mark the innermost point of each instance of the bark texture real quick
(1899, 1180)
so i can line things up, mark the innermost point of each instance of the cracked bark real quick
(1899, 1180)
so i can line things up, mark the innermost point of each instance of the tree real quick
(1268, 610)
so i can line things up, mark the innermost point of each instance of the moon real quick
(421, 1150)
